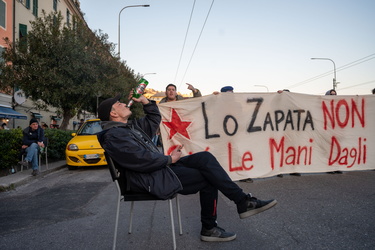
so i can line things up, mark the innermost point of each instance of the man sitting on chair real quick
(33, 137)
(128, 143)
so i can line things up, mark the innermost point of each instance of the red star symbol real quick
(176, 125)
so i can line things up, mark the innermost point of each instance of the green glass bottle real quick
(139, 90)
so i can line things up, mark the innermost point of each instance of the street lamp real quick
(264, 86)
(148, 74)
(334, 70)
(119, 15)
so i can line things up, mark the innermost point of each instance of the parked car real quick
(83, 149)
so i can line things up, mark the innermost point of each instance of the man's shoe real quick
(280, 175)
(216, 234)
(24, 163)
(295, 174)
(248, 180)
(253, 206)
(35, 172)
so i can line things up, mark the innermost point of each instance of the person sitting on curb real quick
(128, 143)
(32, 140)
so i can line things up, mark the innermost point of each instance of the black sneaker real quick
(216, 234)
(295, 174)
(253, 206)
(35, 172)
(248, 180)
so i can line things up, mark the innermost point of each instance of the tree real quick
(65, 66)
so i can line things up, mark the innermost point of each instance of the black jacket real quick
(30, 136)
(133, 152)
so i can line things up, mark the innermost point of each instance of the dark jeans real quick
(202, 172)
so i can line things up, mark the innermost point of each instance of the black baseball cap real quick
(105, 107)
(33, 120)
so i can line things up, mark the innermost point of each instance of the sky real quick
(254, 46)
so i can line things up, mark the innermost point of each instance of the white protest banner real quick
(265, 134)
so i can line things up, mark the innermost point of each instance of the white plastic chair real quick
(132, 197)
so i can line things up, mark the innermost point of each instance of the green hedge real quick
(10, 147)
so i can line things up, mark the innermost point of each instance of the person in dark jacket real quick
(171, 93)
(171, 96)
(128, 143)
(32, 141)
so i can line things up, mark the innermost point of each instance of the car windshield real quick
(90, 128)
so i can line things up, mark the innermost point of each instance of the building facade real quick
(15, 17)
(6, 21)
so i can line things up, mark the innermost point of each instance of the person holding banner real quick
(230, 89)
(171, 93)
(224, 89)
(171, 96)
(293, 174)
(333, 92)
(128, 143)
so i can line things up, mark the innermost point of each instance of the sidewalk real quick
(20, 178)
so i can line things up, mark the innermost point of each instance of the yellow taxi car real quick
(84, 149)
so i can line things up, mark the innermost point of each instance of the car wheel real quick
(72, 167)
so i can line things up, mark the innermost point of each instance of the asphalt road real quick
(76, 210)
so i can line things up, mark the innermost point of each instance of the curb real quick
(6, 185)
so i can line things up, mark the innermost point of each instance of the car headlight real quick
(72, 147)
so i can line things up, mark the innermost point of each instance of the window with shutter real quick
(2, 14)
(35, 8)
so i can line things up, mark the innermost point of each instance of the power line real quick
(353, 86)
(343, 67)
(197, 41)
(183, 46)
(346, 66)
(359, 84)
